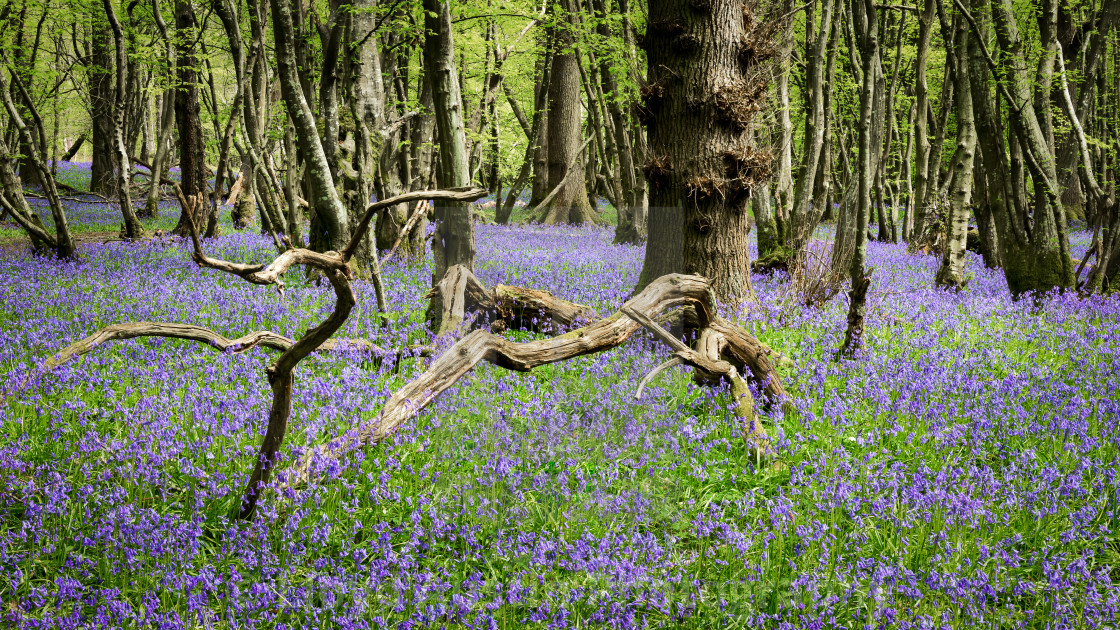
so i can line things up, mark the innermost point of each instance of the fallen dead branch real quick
(334, 266)
(726, 351)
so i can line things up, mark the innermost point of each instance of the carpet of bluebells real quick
(961, 472)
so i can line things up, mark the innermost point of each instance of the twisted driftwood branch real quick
(654, 372)
(190, 332)
(333, 265)
(739, 347)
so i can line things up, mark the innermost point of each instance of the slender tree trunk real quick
(325, 205)
(453, 241)
(921, 133)
(804, 217)
(132, 228)
(951, 272)
(864, 12)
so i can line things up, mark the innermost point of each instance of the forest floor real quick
(961, 472)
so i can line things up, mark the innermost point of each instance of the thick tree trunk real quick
(705, 84)
(1034, 245)
(1049, 238)
(368, 104)
(569, 204)
(101, 110)
(192, 146)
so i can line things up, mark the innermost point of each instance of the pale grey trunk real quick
(324, 201)
(951, 272)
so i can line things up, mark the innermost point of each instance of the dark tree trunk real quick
(101, 110)
(540, 107)
(188, 120)
(569, 204)
(864, 14)
(705, 84)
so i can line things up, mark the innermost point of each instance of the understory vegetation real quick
(959, 471)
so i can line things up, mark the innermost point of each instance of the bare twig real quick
(450, 194)
(654, 372)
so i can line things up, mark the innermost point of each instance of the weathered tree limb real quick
(703, 361)
(710, 347)
(466, 193)
(531, 309)
(421, 209)
(478, 346)
(460, 292)
(190, 332)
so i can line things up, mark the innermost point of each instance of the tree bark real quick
(951, 272)
(101, 100)
(325, 205)
(132, 228)
(570, 203)
(706, 82)
(864, 12)
(803, 217)
(453, 241)
(192, 146)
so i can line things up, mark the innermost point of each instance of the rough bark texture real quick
(1034, 242)
(569, 204)
(453, 241)
(705, 84)
(192, 147)
(100, 73)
